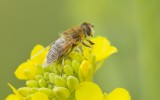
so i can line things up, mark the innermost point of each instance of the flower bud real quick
(59, 68)
(46, 75)
(85, 71)
(72, 82)
(65, 76)
(61, 93)
(52, 77)
(38, 77)
(50, 85)
(29, 97)
(60, 81)
(32, 83)
(68, 62)
(53, 68)
(68, 70)
(24, 91)
(42, 83)
(48, 92)
(34, 90)
(76, 56)
(29, 74)
(75, 65)
(92, 59)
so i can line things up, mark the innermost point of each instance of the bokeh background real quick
(133, 26)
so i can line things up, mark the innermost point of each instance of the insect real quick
(69, 39)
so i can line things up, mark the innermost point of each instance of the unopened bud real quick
(72, 82)
(35, 89)
(42, 83)
(68, 62)
(75, 65)
(50, 85)
(60, 81)
(29, 97)
(61, 93)
(68, 70)
(32, 83)
(92, 59)
(65, 76)
(48, 92)
(76, 56)
(24, 91)
(53, 68)
(38, 77)
(46, 75)
(85, 71)
(59, 68)
(52, 77)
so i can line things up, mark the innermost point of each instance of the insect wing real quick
(57, 50)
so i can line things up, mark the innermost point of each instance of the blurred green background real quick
(133, 26)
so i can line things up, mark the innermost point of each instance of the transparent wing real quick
(55, 54)
(41, 51)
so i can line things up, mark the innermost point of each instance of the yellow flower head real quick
(71, 80)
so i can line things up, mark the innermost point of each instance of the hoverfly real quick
(69, 39)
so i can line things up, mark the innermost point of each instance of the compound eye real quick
(86, 28)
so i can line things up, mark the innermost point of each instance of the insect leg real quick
(62, 66)
(92, 43)
(86, 45)
(81, 53)
(65, 57)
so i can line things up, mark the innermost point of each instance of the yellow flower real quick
(15, 96)
(73, 82)
(91, 91)
(30, 68)
(101, 49)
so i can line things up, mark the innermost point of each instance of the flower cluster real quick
(72, 81)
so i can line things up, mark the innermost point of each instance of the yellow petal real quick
(88, 91)
(102, 48)
(38, 54)
(12, 97)
(26, 70)
(118, 94)
(39, 96)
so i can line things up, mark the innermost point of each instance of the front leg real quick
(81, 53)
(92, 43)
(86, 45)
